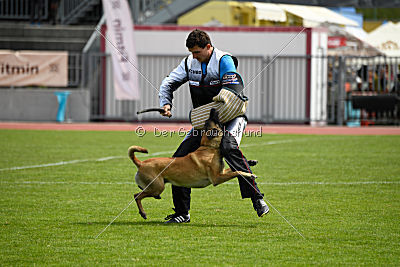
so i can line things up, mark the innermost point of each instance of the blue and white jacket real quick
(205, 80)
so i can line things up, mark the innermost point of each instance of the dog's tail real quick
(131, 153)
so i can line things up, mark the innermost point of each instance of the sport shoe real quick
(177, 218)
(260, 206)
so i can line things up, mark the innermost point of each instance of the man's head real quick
(199, 44)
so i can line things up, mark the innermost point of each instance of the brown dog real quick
(197, 169)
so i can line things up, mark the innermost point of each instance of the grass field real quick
(342, 193)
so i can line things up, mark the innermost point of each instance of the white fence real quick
(278, 88)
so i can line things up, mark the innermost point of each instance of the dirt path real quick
(253, 128)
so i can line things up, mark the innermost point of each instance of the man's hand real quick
(167, 111)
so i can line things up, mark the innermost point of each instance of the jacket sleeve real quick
(226, 64)
(171, 83)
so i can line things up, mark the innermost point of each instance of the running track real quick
(267, 129)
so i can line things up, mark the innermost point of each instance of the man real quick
(53, 10)
(36, 7)
(208, 70)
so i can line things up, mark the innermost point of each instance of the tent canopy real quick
(312, 15)
(272, 12)
(386, 38)
(355, 46)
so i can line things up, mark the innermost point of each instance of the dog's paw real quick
(143, 214)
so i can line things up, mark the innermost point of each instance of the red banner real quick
(335, 42)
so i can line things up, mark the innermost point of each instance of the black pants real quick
(36, 7)
(234, 158)
(53, 11)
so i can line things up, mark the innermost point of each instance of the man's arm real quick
(172, 82)
(229, 76)
(226, 65)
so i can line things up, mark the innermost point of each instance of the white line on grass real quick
(331, 183)
(75, 161)
(66, 183)
(119, 157)
(45, 165)
(268, 143)
(230, 183)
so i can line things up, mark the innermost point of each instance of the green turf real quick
(342, 193)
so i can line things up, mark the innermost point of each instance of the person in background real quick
(53, 11)
(36, 7)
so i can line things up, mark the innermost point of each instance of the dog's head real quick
(212, 132)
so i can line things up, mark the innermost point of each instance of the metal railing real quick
(71, 11)
(142, 9)
(75, 11)
(371, 90)
(75, 72)
(290, 89)
(277, 94)
(21, 9)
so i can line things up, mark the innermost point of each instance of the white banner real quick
(122, 47)
(26, 68)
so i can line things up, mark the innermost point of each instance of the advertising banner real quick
(37, 68)
(122, 47)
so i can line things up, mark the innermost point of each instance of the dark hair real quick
(199, 38)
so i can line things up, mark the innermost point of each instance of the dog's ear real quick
(213, 113)
(214, 116)
(212, 133)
